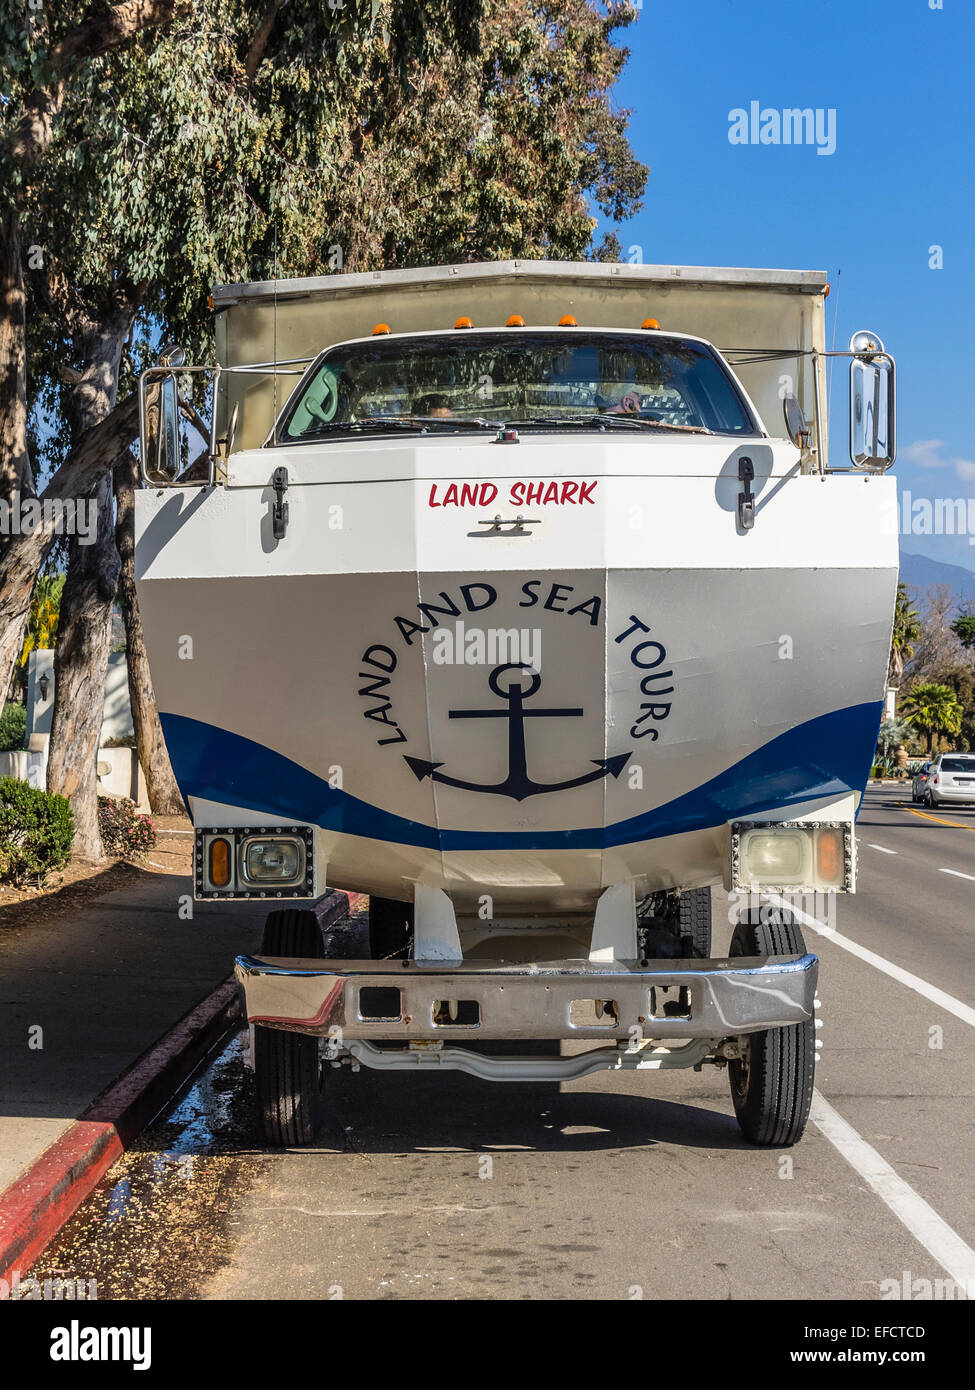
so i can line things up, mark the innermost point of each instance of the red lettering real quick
(488, 493)
(551, 493)
(433, 496)
(569, 491)
(468, 495)
(450, 496)
(517, 494)
(533, 493)
(585, 492)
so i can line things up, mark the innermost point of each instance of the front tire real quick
(287, 1065)
(695, 920)
(772, 1085)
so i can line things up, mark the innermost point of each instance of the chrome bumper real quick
(554, 1000)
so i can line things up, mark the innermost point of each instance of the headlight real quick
(275, 861)
(767, 857)
(241, 862)
(793, 855)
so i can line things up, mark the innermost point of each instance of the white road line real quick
(904, 977)
(882, 850)
(913, 1212)
(956, 874)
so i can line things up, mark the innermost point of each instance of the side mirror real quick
(795, 422)
(160, 432)
(873, 407)
(170, 426)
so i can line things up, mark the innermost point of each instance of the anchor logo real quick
(517, 784)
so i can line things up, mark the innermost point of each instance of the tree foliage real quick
(934, 709)
(964, 630)
(961, 679)
(42, 625)
(215, 149)
(907, 630)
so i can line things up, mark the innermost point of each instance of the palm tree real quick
(907, 630)
(933, 709)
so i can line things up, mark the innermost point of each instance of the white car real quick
(919, 785)
(951, 778)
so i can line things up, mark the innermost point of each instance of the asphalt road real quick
(615, 1186)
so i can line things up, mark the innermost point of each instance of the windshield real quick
(471, 381)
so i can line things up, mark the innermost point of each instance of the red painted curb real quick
(38, 1203)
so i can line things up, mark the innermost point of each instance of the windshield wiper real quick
(409, 423)
(466, 421)
(612, 420)
(639, 423)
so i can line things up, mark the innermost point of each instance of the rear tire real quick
(287, 1065)
(695, 920)
(390, 928)
(772, 1085)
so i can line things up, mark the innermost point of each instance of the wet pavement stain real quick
(160, 1223)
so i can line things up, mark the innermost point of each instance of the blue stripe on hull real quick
(827, 756)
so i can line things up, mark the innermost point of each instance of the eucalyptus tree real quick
(243, 140)
(48, 53)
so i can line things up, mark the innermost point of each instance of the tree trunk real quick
(85, 624)
(80, 667)
(16, 475)
(164, 794)
(22, 557)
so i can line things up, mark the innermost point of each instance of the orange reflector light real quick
(567, 321)
(516, 321)
(826, 291)
(829, 855)
(649, 323)
(381, 328)
(464, 323)
(210, 302)
(219, 863)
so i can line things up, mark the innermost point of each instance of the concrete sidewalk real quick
(102, 984)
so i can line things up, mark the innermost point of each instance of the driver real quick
(434, 406)
(628, 404)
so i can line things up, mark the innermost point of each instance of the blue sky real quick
(900, 77)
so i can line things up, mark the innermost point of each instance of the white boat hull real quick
(689, 675)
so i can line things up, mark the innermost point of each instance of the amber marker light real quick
(649, 323)
(567, 321)
(381, 328)
(516, 321)
(464, 323)
(219, 863)
(829, 855)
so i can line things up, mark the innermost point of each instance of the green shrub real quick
(124, 829)
(36, 830)
(13, 727)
